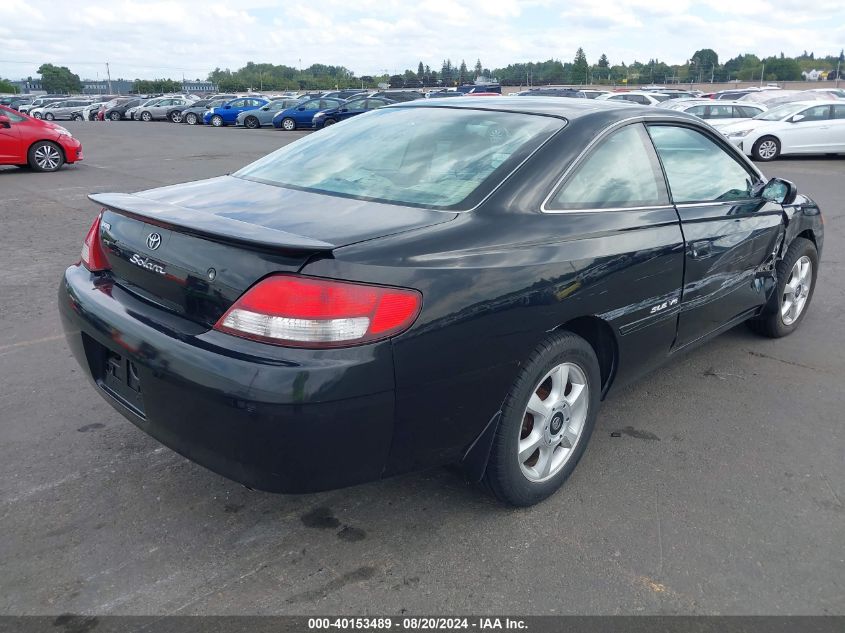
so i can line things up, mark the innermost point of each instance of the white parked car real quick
(805, 127)
(640, 97)
(716, 113)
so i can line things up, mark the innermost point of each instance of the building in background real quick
(200, 87)
(101, 87)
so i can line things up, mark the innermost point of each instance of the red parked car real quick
(42, 145)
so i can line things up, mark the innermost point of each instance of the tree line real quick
(702, 66)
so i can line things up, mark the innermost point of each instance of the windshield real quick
(780, 113)
(433, 157)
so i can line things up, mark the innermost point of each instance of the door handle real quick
(700, 250)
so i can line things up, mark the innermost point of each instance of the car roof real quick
(570, 109)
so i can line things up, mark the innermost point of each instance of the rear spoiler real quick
(207, 225)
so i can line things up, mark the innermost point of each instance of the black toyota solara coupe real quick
(434, 282)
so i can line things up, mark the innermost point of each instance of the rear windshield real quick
(432, 157)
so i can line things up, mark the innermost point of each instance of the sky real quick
(159, 39)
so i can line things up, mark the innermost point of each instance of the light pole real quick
(762, 72)
(838, 65)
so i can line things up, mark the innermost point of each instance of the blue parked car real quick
(227, 114)
(301, 116)
(346, 110)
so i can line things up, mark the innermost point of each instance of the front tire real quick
(45, 156)
(765, 149)
(796, 281)
(329, 122)
(252, 123)
(146, 117)
(77, 117)
(288, 124)
(217, 120)
(49, 116)
(37, 115)
(547, 420)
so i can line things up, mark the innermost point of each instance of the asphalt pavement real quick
(723, 494)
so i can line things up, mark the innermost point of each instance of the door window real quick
(816, 113)
(748, 112)
(697, 168)
(621, 172)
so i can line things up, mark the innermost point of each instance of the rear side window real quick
(621, 172)
(721, 112)
(746, 111)
(839, 112)
(698, 110)
(697, 168)
(430, 156)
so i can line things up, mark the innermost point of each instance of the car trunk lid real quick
(195, 248)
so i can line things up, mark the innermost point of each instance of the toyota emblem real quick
(153, 241)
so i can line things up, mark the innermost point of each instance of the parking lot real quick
(724, 492)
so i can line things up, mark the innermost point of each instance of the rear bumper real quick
(274, 419)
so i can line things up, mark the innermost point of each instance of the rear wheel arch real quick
(598, 333)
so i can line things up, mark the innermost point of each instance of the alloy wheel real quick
(796, 291)
(553, 422)
(768, 149)
(47, 158)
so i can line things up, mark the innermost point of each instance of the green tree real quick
(580, 68)
(59, 79)
(7, 86)
(603, 62)
(420, 71)
(782, 69)
(463, 73)
(703, 64)
(479, 69)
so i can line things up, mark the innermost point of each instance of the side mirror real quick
(780, 191)
(5, 122)
(344, 109)
(266, 108)
(796, 117)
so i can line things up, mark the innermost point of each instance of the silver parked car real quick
(160, 108)
(263, 116)
(716, 112)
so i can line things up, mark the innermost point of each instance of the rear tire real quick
(765, 149)
(217, 121)
(288, 124)
(252, 123)
(115, 116)
(533, 453)
(45, 156)
(794, 292)
(175, 117)
(191, 118)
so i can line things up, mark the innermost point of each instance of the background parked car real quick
(38, 113)
(159, 110)
(346, 111)
(227, 114)
(192, 115)
(554, 92)
(342, 94)
(263, 116)
(116, 110)
(635, 96)
(718, 113)
(70, 110)
(39, 102)
(132, 113)
(807, 127)
(301, 116)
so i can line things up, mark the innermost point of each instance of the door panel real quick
(728, 246)
(809, 135)
(729, 233)
(10, 144)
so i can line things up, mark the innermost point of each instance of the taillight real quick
(298, 311)
(93, 255)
